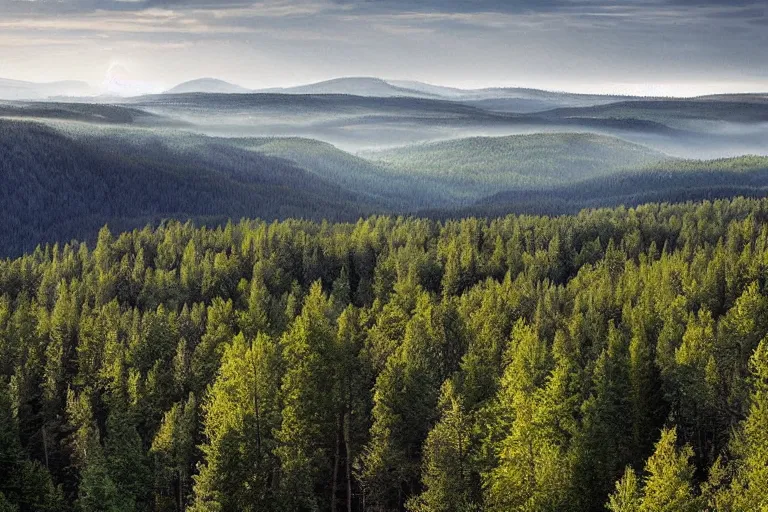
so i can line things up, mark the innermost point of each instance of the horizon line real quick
(618, 89)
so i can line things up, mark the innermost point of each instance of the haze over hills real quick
(358, 86)
(683, 128)
(129, 165)
(679, 181)
(351, 85)
(345, 147)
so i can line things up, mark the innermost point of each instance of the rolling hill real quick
(675, 113)
(207, 85)
(362, 122)
(400, 192)
(480, 166)
(99, 113)
(528, 100)
(669, 181)
(355, 86)
(57, 186)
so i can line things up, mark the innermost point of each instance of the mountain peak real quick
(207, 85)
(352, 85)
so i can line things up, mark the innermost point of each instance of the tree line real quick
(615, 359)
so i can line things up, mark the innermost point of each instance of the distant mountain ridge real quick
(379, 87)
(356, 86)
(207, 85)
(22, 90)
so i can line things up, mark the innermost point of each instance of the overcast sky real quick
(677, 47)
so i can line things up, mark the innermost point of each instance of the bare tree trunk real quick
(45, 448)
(181, 490)
(347, 461)
(336, 465)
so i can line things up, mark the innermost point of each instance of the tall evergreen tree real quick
(240, 415)
(667, 486)
(447, 472)
(307, 432)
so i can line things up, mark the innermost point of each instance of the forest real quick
(616, 359)
(64, 177)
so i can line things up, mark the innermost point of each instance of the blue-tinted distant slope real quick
(55, 187)
(673, 112)
(357, 122)
(98, 113)
(403, 192)
(21, 90)
(356, 86)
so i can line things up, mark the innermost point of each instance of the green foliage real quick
(748, 490)
(480, 166)
(667, 486)
(519, 363)
(447, 464)
(241, 413)
(306, 433)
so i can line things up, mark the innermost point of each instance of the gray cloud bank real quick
(654, 46)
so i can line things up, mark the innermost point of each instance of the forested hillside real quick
(403, 192)
(615, 358)
(480, 166)
(67, 175)
(671, 180)
(56, 186)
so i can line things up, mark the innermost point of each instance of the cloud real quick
(520, 42)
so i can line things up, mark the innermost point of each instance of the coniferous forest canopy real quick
(615, 358)
(368, 294)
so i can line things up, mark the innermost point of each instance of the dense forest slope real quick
(402, 191)
(482, 165)
(614, 358)
(745, 109)
(94, 164)
(670, 180)
(98, 113)
(56, 186)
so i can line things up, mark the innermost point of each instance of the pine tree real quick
(669, 484)
(308, 428)
(173, 450)
(206, 357)
(240, 415)
(125, 457)
(405, 399)
(534, 470)
(603, 445)
(352, 401)
(97, 491)
(748, 491)
(257, 318)
(447, 472)
(627, 496)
